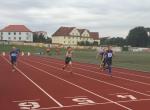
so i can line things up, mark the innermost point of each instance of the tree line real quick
(137, 37)
(41, 38)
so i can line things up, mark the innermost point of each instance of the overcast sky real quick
(108, 17)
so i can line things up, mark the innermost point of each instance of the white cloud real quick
(108, 17)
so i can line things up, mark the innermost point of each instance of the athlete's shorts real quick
(13, 60)
(68, 60)
(109, 61)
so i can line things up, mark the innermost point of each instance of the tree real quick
(95, 43)
(48, 40)
(138, 37)
(113, 41)
(41, 38)
(149, 41)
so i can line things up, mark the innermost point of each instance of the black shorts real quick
(68, 60)
(13, 60)
(109, 61)
(104, 62)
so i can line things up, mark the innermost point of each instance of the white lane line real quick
(84, 89)
(102, 74)
(71, 106)
(118, 93)
(96, 80)
(126, 73)
(51, 98)
(76, 97)
(26, 100)
(130, 74)
(105, 103)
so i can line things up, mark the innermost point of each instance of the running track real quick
(40, 84)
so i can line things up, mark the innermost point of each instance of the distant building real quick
(72, 35)
(43, 33)
(16, 33)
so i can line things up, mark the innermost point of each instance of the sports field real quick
(39, 83)
(130, 60)
(134, 61)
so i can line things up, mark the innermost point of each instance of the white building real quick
(16, 33)
(72, 35)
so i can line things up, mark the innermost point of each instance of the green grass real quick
(136, 61)
(32, 49)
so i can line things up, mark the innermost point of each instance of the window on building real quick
(27, 38)
(14, 38)
(9, 33)
(14, 33)
(19, 38)
(1, 38)
(19, 33)
(9, 38)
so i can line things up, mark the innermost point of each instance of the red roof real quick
(95, 35)
(63, 31)
(16, 28)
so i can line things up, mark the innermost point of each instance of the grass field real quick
(135, 61)
(32, 49)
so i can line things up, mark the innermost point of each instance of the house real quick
(16, 33)
(72, 35)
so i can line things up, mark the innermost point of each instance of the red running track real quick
(40, 84)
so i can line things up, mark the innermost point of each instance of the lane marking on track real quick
(89, 65)
(102, 74)
(41, 89)
(127, 73)
(75, 97)
(82, 88)
(26, 100)
(105, 103)
(96, 80)
(127, 96)
(118, 93)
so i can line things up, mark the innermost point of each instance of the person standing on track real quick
(104, 59)
(109, 59)
(13, 57)
(99, 56)
(68, 59)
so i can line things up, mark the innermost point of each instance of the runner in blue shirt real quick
(13, 57)
(109, 59)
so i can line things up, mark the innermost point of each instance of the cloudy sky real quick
(108, 17)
